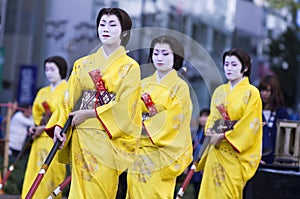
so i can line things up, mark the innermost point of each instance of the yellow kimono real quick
(229, 165)
(101, 148)
(166, 149)
(42, 145)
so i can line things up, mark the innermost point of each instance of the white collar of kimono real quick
(231, 87)
(158, 79)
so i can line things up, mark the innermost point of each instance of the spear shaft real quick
(47, 162)
(204, 146)
(12, 166)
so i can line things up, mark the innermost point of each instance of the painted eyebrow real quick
(231, 61)
(103, 20)
(161, 50)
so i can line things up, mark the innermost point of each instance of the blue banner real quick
(27, 84)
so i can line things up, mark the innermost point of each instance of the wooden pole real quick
(6, 147)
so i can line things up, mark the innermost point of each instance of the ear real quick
(245, 69)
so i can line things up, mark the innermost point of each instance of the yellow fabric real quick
(90, 178)
(91, 145)
(231, 164)
(157, 164)
(157, 187)
(41, 147)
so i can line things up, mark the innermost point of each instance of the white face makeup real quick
(109, 29)
(52, 72)
(163, 57)
(232, 68)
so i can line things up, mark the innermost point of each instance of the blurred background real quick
(32, 30)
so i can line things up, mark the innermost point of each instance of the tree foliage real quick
(283, 53)
(281, 4)
(292, 5)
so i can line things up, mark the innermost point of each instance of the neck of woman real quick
(110, 48)
(235, 82)
(162, 74)
(267, 106)
(55, 84)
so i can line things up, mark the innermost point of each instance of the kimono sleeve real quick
(164, 127)
(217, 99)
(123, 115)
(66, 103)
(248, 129)
(37, 112)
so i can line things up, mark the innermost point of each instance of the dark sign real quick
(27, 84)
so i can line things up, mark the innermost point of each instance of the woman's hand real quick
(215, 138)
(81, 115)
(36, 131)
(31, 130)
(59, 137)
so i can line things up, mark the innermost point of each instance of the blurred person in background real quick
(44, 105)
(20, 122)
(197, 143)
(273, 110)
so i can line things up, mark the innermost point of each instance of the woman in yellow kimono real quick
(165, 146)
(233, 157)
(44, 104)
(107, 126)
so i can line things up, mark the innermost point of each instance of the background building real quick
(35, 29)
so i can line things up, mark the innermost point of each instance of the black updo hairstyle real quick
(124, 18)
(244, 58)
(175, 46)
(60, 63)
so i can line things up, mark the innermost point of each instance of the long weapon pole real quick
(12, 166)
(204, 146)
(47, 162)
(60, 187)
